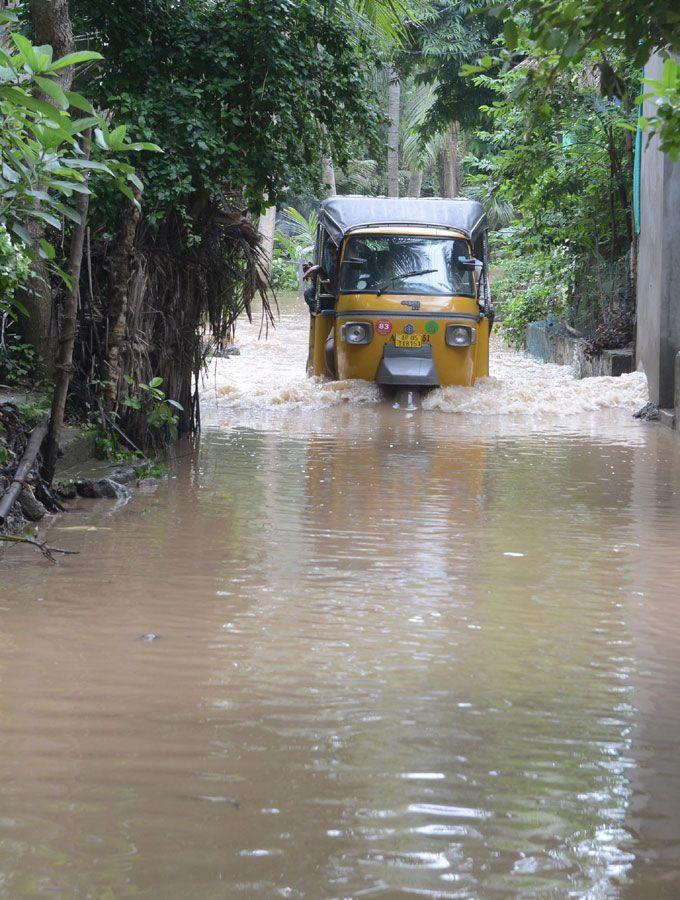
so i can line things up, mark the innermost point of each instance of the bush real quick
(284, 272)
(18, 363)
(13, 272)
(531, 287)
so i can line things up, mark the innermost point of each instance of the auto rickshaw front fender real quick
(412, 367)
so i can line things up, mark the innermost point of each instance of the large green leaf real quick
(24, 100)
(69, 187)
(116, 138)
(47, 249)
(7, 61)
(88, 165)
(31, 57)
(46, 217)
(22, 233)
(52, 89)
(79, 125)
(79, 102)
(10, 174)
(72, 59)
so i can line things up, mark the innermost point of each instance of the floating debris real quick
(219, 798)
(649, 412)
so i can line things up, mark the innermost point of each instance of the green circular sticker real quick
(431, 327)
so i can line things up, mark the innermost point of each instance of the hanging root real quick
(186, 290)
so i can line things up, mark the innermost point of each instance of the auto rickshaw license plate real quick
(408, 340)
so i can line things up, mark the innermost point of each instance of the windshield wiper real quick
(394, 278)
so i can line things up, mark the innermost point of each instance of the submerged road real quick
(399, 654)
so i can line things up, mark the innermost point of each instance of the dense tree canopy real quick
(562, 33)
(238, 92)
(448, 35)
(571, 27)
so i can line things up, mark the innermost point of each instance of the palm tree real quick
(299, 235)
(266, 226)
(393, 104)
(419, 155)
(450, 162)
(361, 176)
(327, 169)
(386, 19)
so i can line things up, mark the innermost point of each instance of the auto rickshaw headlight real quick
(357, 332)
(460, 335)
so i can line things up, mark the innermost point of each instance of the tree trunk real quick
(267, 228)
(328, 176)
(415, 183)
(37, 326)
(451, 163)
(327, 170)
(51, 25)
(67, 332)
(120, 270)
(393, 100)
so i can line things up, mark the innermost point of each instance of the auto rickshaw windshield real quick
(405, 264)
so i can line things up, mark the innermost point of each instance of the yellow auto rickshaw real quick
(401, 291)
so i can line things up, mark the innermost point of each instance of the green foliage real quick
(293, 241)
(296, 233)
(568, 175)
(284, 271)
(554, 170)
(150, 400)
(531, 287)
(238, 94)
(562, 34)
(387, 17)
(564, 177)
(420, 145)
(361, 176)
(35, 410)
(14, 268)
(42, 164)
(449, 35)
(568, 29)
(18, 362)
(108, 446)
(151, 469)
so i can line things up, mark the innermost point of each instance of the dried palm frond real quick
(186, 291)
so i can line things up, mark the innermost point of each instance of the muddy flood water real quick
(399, 654)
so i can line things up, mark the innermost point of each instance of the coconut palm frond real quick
(359, 175)
(419, 97)
(420, 154)
(388, 18)
(499, 212)
(295, 233)
(417, 152)
(303, 227)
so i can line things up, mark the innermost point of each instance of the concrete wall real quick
(658, 286)
(549, 342)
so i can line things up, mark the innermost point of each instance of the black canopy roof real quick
(339, 215)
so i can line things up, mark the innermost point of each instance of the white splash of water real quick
(519, 384)
(269, 376)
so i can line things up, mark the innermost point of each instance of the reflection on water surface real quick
(429, 654)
